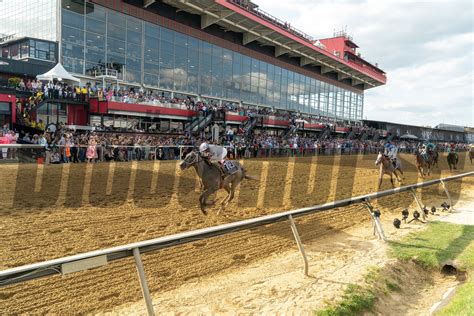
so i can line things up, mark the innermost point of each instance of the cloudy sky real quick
(426, 48)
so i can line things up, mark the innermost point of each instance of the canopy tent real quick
(57, 72)
(408, 136)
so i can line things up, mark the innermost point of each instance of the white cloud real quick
(426, 47)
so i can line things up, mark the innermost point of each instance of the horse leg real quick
(202, 200)
(380, 182)
(391, 180)
(225, 201)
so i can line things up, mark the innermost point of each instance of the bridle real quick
(194, 158)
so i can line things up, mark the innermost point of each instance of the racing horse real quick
(452, 160)
(386, 167)
(423, 165)
(212, 179)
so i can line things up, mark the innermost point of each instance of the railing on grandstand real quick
(272, 19)
(156, 102)
(107, 73)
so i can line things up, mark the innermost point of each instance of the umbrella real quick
(57, 72)
(408, 136)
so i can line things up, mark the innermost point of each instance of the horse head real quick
(190, 160)
(379, 158)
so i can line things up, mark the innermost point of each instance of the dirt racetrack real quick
(54, 211)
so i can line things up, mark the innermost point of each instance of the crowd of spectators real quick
(65, 146)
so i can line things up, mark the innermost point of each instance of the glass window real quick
(95, 11)
(150, 80)
(73, 51)
(166, 59)
(134, 37)
(116, 18)
(152, 30)
(95, 26)
(134, 51)
(151, 56)
(134, 24)
(73, 19)
(117, 47)
(193, 43)
(95, 56)
(167, 35)
(73, 65)
(116, 32)
(24, 50)
(116, 61)
(134, 64)
(151, 43)
(72, 35)
(73, 6)
(152, 68)
(181, 39)
(95, 41)
(132, 76)
(15, 51)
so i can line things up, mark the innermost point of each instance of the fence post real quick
(423, 215)
(447, 194)
(299, 243)
(375, 220)
(143, 282)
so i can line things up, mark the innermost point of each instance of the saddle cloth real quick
(229, 167)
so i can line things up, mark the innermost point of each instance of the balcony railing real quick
(272, 19)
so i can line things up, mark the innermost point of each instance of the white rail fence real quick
(102, 257)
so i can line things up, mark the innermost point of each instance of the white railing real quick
(99, 258)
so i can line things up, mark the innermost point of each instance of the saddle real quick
(227, 168)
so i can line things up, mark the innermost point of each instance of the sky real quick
(425, 47)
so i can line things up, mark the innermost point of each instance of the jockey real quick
(453, 149)
(213, 152)
(391, 151)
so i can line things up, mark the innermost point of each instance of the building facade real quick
(173, 46)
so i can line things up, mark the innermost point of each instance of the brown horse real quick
(386, 167)
(452, 160)
(213, 180)
(423, 166)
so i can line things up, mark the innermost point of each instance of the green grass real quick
(355, 299)
(462, 304)
(437, 244)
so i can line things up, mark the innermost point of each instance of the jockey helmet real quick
(203, 147)
(388, 145)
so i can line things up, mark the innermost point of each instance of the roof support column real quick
(249, 37)
(280, 51)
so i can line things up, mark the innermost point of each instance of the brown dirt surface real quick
(54, 211)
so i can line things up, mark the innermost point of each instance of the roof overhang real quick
(254, 28)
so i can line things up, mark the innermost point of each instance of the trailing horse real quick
(422, 164)
(452, 160)
(213, 179)
(386, 167)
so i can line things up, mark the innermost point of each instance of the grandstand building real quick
(226, 50)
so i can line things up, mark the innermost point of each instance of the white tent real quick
(57, 72)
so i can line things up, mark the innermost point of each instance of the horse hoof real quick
(204, 211)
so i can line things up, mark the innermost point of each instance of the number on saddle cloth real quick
(229, 167)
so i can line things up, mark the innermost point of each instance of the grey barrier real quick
(99, 258)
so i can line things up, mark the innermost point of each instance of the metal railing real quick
(99, 258)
